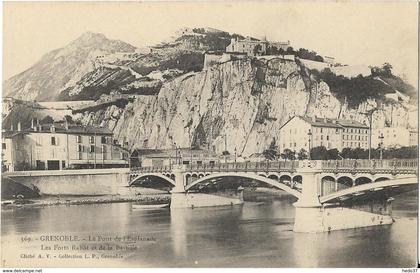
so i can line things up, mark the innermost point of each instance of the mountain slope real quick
(62, 67)
(244, 101)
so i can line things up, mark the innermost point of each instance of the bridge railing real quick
(276, 166)
(245, 166)
(358, 164)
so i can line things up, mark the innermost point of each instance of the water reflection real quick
(252, 235)
(178, 228)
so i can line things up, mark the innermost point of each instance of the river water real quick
(252, 235)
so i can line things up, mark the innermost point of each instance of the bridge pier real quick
(178, 193)
(180, 198)
(308, 213)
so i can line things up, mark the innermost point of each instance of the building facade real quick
(394, 137)
(308, 132)
(251, 46)
(7, 152)
(59, 146)
(160, 158)
(355, 134)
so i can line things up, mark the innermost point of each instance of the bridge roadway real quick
(319, 186)
(331, 176)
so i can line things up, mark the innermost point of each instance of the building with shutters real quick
(61, 146)
(302, 132)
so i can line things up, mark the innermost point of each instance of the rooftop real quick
(351, 123)
(331, 123)
(60, 128)
(321, 122)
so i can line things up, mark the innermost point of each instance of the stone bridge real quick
(319, 186)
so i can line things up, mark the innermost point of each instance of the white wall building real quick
(59, 146)
(394, 137)
(306, 133)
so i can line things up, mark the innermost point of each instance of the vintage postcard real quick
(210, 134)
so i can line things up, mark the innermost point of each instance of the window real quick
(79, 139)
(3, 146)
(328, 137)
(53, 141)
(294, 144)
(79, 148)
(185, 162)
(336, 131)
(103, 140)
(199, 162)
(321, 131)
(91, 139)
(322, 137)
(92, 148)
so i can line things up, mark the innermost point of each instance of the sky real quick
(368, 33)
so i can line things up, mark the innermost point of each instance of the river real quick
(252, 235)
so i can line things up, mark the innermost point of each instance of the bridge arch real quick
(382, 178)
(285, 177)
(408, 182)
(297, 178)
(362, 180)
(260, 178)
(274, 177)
(328, 185)
(344, 182)
(164, 177)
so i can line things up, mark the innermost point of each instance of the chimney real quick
(11, 127)
(32, 123)
(19, 126)
(52, 128)
(314, 118)
(325, 120)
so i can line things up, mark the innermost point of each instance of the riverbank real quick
(256, 195)
(82, 200)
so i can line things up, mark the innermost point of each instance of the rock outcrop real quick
(243, 103)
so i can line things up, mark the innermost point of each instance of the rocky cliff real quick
(242, 102)
(159, 96)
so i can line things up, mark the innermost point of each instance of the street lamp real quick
(381, 143)
(369, 114)
(176, 154)
(225, 151)
(309, 143)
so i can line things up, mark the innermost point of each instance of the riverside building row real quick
(302, 132)
(60, 146)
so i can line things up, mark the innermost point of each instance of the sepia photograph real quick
(227, 134)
